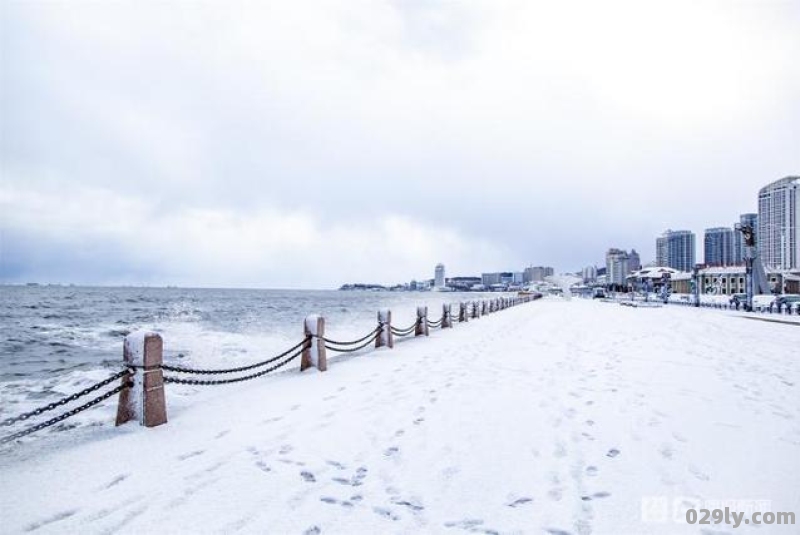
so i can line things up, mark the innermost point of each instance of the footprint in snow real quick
(520, 501)
(386, 513)
(117, 480)
(596, 495)
(613, 452)
(469, 523)
(413, 505)
(699, 474)
(308, 476)
(190, 455)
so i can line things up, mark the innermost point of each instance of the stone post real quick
(145, 400)
(385, 338)
(447, 316)
(422, 322)
(314, 354)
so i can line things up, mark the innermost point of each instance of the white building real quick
(778, 228)
(616, 266)
(438, 279)
(589, 274)
(676, 249)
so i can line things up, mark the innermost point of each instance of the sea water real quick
(55, 340)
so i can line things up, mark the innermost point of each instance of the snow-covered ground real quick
(552, 417)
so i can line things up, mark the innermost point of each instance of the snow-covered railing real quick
(141, 390)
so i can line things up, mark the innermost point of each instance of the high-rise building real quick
(438, 279)
(676, 249)
(537, 274)
(718, 246)
(634, 261)
(778, 238)
(662, 256)
(589, 274)
(616, 266)
(487, 279)
(750, 220)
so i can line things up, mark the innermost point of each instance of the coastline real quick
(553, 415)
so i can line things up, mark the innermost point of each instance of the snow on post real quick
(447, 320)
(385, 338)
(145, 400)
(314, 353)
(422, 322)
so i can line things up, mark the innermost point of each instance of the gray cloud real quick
(495, 134)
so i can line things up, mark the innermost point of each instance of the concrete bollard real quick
(463, 312)
(421, 327)
(484, 307)
(145, 400)
(447, 316)
(385, 338)
(314, 354)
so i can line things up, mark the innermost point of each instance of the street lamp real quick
(749, 255)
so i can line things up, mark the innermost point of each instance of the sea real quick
(55, 340)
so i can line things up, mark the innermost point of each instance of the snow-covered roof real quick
(655, 272)
(723, 270)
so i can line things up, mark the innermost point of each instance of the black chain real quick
(198, 382)
(64, 401)
(402, 335)
(395, 330)
(352, 349)
(378, 329)
(178, 369)
(434, 323)
(64, 416)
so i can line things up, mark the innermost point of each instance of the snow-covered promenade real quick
(551, 417)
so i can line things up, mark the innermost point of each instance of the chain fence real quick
(270, 365)
(63, 416)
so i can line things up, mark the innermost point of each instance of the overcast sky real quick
(308, 144)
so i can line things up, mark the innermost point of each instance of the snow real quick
(568, 417)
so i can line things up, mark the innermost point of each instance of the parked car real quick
(599, 293)
(738, 299)
(790, 300)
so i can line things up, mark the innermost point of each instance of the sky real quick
(309, 144)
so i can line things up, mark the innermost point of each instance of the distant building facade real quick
(750, 220)
(537, 273)
(617, 268)
(662, 251)
(778, 238)
(438, 279)
(589, 274)
(718, 247)
(634, 261)
(676, 249)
